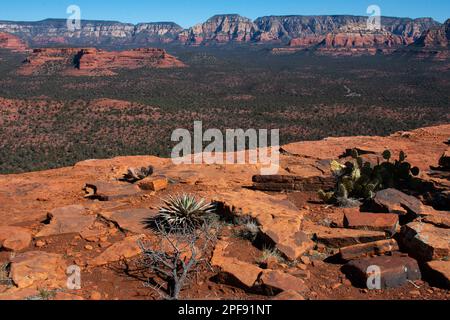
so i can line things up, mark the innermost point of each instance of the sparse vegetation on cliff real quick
(359, 180)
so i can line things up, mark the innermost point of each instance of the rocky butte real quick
(54, 219)
(11, 42)
(94, 62)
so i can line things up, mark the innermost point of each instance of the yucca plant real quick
(184, 211)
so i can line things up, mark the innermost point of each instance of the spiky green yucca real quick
(184, 210)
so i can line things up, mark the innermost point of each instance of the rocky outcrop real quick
(94, 62)
(432, 44)
(11, 42)
(220, 29)
(293, 249)
(435, 37)
(156, 32)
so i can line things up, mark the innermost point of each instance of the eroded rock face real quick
(95, 62)
(39, 269)
(435, 37)
(358, 40)
(11, 42)
(221, 29)
(218, 29)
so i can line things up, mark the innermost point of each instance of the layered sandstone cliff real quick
(218, 29)
(94, 62)
(11, 42)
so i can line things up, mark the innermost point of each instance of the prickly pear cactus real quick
(357, 180)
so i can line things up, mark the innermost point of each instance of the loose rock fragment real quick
(368, 249)
(274, 282)
(395, 201)
(354, 219)
(338, 237)
(438, 273)
(14, 238)
(37, 268)
(156, 183)
(125, 249)
(382, 272)
(425, 241)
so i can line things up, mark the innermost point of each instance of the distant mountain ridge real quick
(218, 29)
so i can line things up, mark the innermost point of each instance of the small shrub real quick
(178, 257)
(249, 229)
(268, 253)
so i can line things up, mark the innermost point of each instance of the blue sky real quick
(189, 12)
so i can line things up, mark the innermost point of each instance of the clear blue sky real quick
(189, 12)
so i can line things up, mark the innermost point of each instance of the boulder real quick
(156, 183)
(237, 273)
(274, 282)
(354, 219)
(438, 273)
(14, 238)
(233, 271)
(132, 220)
(368, 249)
(395, 271)
(292, 245)
(67, 220)
(125, 249)
(112, 190)
(38, 269)
(339, 237)
(425, 241)
(395, 201)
